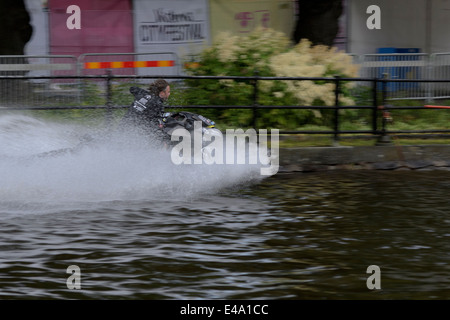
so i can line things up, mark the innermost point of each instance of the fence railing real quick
(411, 66)
(397, 66)
(378, 107)
(408, 66)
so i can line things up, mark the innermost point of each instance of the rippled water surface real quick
(140, 228)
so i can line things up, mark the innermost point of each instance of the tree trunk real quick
(15, 32)
(15, 28)
(318, 21)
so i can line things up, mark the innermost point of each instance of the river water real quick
(138, 227)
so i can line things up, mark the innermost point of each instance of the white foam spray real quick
(120, 167)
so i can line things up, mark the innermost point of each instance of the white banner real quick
(176, 26)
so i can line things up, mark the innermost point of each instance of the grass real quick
(354, 140)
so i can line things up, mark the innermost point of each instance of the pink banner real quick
(100, 26)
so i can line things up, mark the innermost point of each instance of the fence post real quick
(108, 97)
(430, 73)
(384, 139)
(375, 106)
(255, 99)
(336, 111)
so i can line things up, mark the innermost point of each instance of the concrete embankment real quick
(420, 157)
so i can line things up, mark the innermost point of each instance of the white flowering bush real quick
(305, 60)
(266, 52)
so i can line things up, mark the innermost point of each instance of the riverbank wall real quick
(392, 157)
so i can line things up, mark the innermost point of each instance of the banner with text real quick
(176, 26)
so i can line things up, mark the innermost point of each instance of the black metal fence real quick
(378, 106)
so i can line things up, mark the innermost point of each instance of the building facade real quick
(117, 26)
